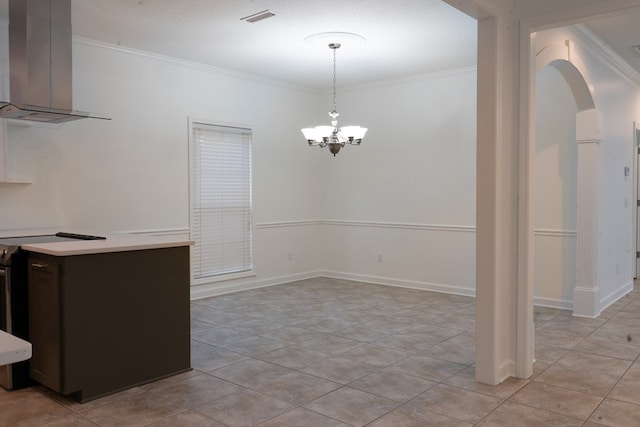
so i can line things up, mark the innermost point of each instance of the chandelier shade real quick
(323, 135)
(332, 136)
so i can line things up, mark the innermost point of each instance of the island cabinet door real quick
(44, 321)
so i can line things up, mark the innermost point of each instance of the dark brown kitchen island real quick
(101, 322)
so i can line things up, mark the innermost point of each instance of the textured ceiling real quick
(404, 37)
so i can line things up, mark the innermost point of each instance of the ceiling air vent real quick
(259, 16)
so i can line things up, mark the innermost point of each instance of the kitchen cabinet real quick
(44, 314)
(101, 323)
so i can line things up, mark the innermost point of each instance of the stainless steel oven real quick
(13, 311)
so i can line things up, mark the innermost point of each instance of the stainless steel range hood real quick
(40, 67)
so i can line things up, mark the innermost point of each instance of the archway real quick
(506, 73)
(588, 136)
(555, 177)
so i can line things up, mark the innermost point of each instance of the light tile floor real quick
(326, 352)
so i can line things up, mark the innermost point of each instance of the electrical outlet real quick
(290, 256)
(379, 257)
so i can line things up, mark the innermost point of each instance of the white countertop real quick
(114, 242)
(13, 349)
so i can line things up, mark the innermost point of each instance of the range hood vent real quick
(40, 64)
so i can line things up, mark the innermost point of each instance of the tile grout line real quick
(604, 399)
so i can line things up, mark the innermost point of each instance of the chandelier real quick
(332, 136)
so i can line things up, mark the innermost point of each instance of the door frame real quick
(635, 260)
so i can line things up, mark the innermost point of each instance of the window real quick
(220, 200)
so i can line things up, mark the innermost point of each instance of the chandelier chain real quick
(334, 79)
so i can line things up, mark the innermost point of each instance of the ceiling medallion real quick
(332, 37)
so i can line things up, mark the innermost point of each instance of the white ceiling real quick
(621, 32)
(404, 37)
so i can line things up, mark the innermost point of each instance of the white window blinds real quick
(220, 200)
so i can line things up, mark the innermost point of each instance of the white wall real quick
(131, 173)
(401, 207)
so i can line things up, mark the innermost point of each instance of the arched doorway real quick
(504, 282)
(588, 135)
(554, 192)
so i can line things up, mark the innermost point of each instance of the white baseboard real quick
(221, 288)
(401, 283)
(506, 370)
(553, 303)
(585, 301)
(616, 295)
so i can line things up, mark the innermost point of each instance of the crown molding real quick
(194, 65)
(411, 78)
(605, 54)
